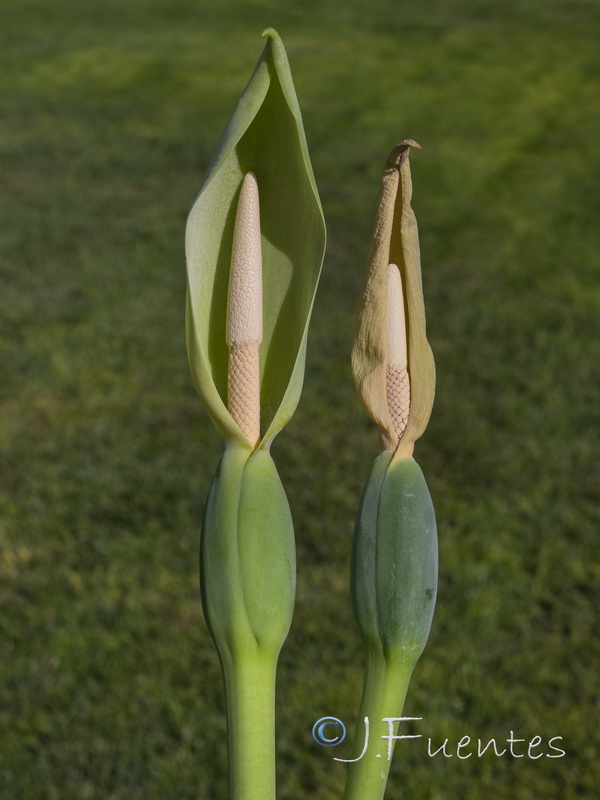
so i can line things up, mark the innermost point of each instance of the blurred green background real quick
(110, 687)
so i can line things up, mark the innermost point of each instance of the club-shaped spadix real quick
(397, 380)
(244, 313)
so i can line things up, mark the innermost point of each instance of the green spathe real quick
(264, 136)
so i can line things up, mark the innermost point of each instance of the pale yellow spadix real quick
(244, 313)
(396, 319)
(396, 378)
(244, 302)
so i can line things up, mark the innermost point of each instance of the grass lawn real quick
(110, 687)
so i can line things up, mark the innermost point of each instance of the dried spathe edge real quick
(395, 242)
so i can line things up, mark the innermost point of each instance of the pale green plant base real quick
(250, 692)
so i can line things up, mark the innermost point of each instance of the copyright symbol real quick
(329, 731)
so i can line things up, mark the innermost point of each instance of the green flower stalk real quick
(394, 559)
(255, 241)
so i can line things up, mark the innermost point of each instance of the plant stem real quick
(250, 690)
(384, 690)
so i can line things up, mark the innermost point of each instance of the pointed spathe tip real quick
(400, 152)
